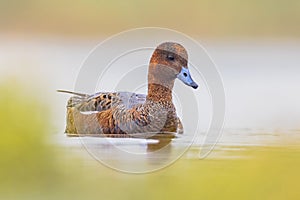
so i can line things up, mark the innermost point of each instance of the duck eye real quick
(185, 74)
(170, 57)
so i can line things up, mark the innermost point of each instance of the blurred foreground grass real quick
(32, 168)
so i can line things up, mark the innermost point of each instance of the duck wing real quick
(117, 112)
(102, 101)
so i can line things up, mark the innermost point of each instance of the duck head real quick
(168, 62)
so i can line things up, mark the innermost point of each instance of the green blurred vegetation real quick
(229, 18)
(26, 162)
(33, 168)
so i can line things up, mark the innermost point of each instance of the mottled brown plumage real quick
(131, 113)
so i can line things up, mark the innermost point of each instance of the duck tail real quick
(73, 93)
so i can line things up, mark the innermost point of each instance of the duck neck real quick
(158, 92)
(160, 82)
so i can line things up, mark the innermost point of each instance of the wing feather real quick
(103, 100)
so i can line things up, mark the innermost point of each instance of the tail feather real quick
(75, 100)
(74, 93)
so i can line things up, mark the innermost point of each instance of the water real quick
(257, 156)
(261, 81)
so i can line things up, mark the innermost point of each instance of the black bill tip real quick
(194, 85)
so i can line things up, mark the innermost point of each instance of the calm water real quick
(261, 81)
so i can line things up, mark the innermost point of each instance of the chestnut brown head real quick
(168, 62)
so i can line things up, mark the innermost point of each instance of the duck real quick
(129, 113)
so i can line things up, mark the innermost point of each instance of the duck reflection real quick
(163, 142)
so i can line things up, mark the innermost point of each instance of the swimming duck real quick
(118, 113)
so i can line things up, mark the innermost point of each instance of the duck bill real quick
(186, 78)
